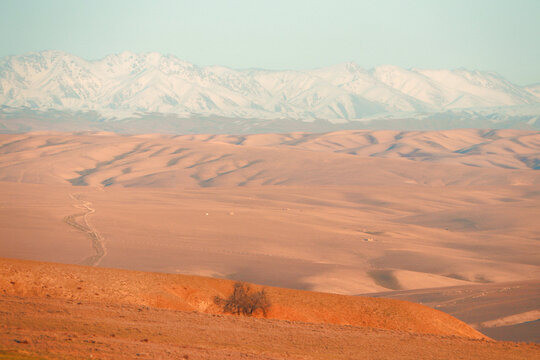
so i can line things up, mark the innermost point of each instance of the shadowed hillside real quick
(460, 157)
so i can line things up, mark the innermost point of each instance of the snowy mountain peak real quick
(151, 82)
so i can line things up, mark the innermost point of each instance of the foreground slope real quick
(192, 293)
(66, 311)
(40, 328)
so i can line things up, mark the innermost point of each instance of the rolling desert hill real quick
(345, 212)
(349, 212)
(228, 161)
(66, 311)
(196, 294)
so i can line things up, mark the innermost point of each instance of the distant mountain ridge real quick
(121, 85)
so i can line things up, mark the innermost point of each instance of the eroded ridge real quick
(80, 222)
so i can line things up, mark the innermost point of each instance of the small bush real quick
(243, 301)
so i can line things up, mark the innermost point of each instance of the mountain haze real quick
(128, 85)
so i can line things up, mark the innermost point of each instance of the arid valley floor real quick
(447, 219)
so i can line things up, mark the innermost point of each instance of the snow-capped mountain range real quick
(129, 83)
(150, 92)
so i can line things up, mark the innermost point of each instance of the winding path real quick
(97, 241)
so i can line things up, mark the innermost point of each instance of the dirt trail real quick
(83, 225)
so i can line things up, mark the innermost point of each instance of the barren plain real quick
(350, 212)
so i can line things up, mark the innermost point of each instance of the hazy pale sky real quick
(495, 35)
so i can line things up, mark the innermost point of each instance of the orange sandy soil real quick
(195, 293)
(65, 311)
